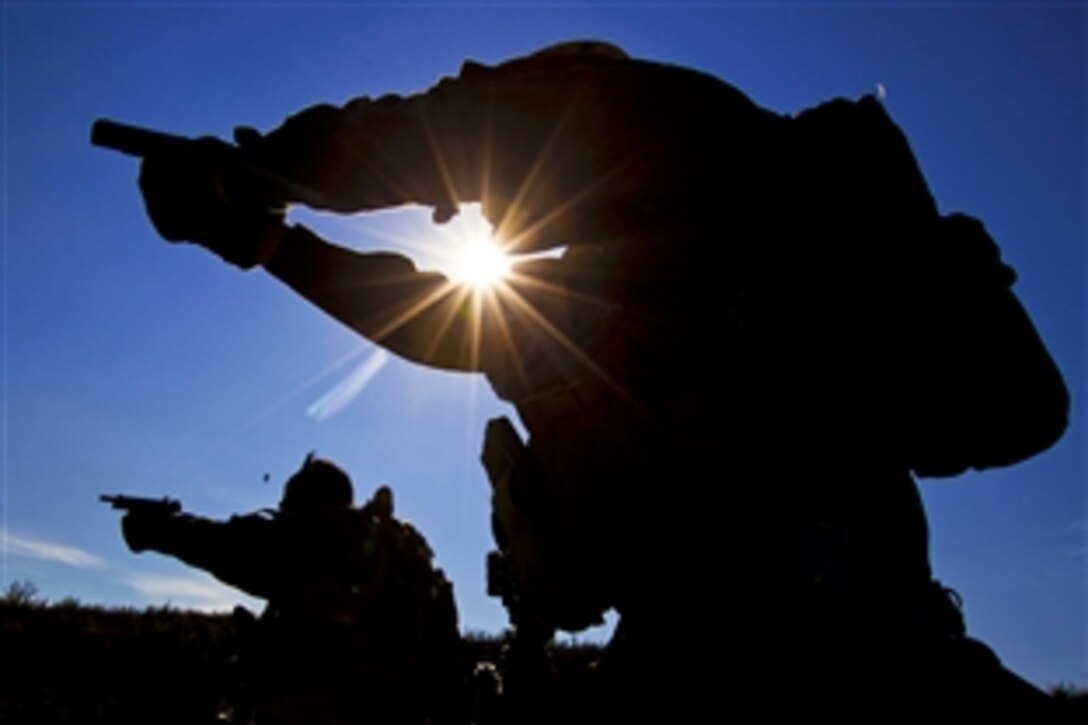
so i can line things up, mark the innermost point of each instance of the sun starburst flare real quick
(481, 264)
(473, 255)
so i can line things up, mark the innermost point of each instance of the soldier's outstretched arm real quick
(561, 147)
(476, 137)
(514, 137)
(241, 552)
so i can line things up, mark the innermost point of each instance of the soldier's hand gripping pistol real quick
(142, 517)
(207, 191)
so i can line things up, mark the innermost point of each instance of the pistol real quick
(133, 140)
(142, 142)
(140, 504)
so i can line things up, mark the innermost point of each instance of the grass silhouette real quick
(67, 662)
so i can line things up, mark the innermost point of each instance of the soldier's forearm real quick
(374, 154)
(237, 552)
(487, 135)
(382, 296)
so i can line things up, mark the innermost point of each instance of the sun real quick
(474, 256)
(481, 263)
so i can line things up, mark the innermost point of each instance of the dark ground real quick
(69, 663)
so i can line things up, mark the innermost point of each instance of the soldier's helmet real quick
(317, 484)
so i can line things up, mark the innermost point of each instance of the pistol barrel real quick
(131, 140)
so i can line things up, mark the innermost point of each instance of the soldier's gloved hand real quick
(140, 528)
(201, 195)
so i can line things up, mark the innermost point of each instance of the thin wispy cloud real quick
(187, 592)
(1078, 527)
(1076, 532)
(29, 548)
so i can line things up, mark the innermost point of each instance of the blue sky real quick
(132, 366)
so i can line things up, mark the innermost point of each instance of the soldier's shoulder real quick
(559, 55)
(581, 50)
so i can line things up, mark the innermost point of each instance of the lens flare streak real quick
(349, 388)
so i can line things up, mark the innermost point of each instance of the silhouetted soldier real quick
(759, 327)
(359, 624)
